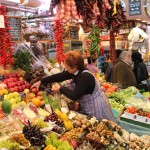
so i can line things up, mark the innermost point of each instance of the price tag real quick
(1, 77)
(2, 24)
(22, 95)
(1, 98)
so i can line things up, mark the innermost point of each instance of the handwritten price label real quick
(2, 25)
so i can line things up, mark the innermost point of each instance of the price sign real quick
(1, 77)
(2, 24)
(15, 23)
(134, 7)
(73, 32)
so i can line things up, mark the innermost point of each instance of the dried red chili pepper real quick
(58, 36)
(6, 50)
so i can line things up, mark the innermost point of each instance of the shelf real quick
(50, 40)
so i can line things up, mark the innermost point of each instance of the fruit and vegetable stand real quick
(39, 119)
(31, 119)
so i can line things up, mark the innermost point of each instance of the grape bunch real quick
(40, 123)
(19, 138)
(34, 135)
(54, 118)
(9, 145)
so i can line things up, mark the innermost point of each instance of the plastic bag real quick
(29, 31)
(41, 32)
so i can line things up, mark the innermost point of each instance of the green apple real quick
(12, 101)
(23, 103)
(18, 99)
(6, 97)
(10, 95)
(15, 94)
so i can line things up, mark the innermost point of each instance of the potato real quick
(83, 126)
(84, 121)
(77, 122)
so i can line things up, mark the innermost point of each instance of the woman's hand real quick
(55, 88)
(37, 85)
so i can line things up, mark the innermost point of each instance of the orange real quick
(1, 93)
(4, 91)
(36, 101)
(31, 95)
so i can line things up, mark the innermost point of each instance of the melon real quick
(6, 107)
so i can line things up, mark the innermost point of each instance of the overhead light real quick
(144, 21)
(138, 19)
(15, 1)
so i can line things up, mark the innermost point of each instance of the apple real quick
(20, 88)
(23, 86)
(16, 88)
(12, 101)
(28, 85)
(12, 89)
(39, 93)
(74, 144)
(26, 91)
(34, 90)
(18, 83)
(21, 79)
(22, 82)
(19, 75)
(9, 85)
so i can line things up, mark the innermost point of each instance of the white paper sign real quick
(2, 24)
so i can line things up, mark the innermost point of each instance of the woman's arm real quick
(65, 75)
(85, 84)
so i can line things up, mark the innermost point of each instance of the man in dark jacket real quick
(109, 69)
(122, 72)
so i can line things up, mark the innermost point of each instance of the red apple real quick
(34, 90)
(19, 75)
(16, 88)
(74, 144)
(40, 93)
(12, 89)
(20, 88)
(28, 85)
(24, 86)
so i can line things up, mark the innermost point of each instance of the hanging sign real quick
(15, 23)
(134, 7)
(2, 24)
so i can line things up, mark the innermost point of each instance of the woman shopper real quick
(92, 65)
(84, 87)
(140, 71)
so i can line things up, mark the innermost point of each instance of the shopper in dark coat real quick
(84, 87)
(109, 69)
(140, 71)
(122, 72)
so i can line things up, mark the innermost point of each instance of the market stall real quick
(39, 118)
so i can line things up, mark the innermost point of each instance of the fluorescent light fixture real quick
(15, 1)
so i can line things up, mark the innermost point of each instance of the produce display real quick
(30, 118)
(33, 119)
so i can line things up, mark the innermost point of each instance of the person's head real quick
(74, 61)
(118, 52)
(126, 57)
(137, 57)
(91, 60)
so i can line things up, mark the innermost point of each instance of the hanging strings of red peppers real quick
(58, 37)
(5, 41)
